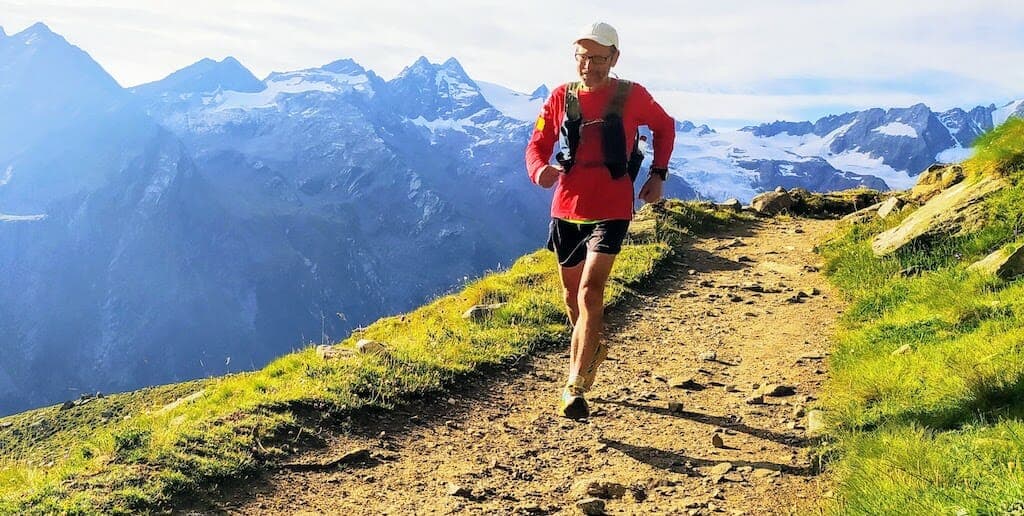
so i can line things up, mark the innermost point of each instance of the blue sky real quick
(726, 63)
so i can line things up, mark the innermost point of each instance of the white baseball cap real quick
(600, 32)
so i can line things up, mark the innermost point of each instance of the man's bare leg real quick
(587, 332)
(570, 290)
(570, 277)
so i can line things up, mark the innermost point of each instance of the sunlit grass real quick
(926, 393)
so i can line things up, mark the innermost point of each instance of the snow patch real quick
(291, 83)
(1000, 115)
(512, 104)
(897, 129)
(864, 164)
(6, 178)
(954, 155)
(442, 123)
(20, 218)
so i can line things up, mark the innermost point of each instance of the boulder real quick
(1005, 263)
(890, 206)
(371, 347)
(772, 203)
(937, 178)
(733, 205)
(832, 204)
(862, 215)
(481, 312)
(955, 211)
(329, 352)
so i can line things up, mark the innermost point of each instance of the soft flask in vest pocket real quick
(613, 143)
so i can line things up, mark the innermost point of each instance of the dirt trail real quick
(498, 438)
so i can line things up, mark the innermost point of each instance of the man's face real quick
(594, 61)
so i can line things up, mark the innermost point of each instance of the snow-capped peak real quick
(436, 91)
(344, 66)
(542, 92)
(36, 34)
(205, 76)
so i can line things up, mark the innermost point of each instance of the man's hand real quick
(549, 175)
(652, 190)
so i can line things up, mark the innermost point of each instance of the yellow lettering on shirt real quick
(540, 124)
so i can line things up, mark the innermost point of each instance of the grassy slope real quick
(136, 451)
(937, 430)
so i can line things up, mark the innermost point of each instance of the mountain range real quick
(207, 222)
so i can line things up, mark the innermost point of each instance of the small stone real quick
(811, 268)
(798, 411)
(530, 508)
(654, 483)
(67, 405)
(744, 259)
(735, 298)
(457, 490)
(684, 382)
(591, 506)
(6, 424)
(717, 442)
(815, 422)
(721, 469)
(795, 299)
(709, 356)
(755, 400)
(732, 388)
(753, 287)
(903, 350)
(693, 503)
(675, 406)
(372, 347)
(481, 312)
(598, 488)
(687, 293)
(765, 473)
(778, 390)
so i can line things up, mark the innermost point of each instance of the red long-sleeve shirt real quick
(588, 191)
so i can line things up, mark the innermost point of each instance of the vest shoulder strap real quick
(572, 101)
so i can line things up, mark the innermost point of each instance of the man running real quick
(594, 122)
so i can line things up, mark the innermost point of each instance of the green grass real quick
(938, 428)
(141, 451)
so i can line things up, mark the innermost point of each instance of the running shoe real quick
(572, 404)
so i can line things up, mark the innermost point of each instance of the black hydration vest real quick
(613, 133)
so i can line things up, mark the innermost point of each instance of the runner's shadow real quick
(679, 463)
(725, 422)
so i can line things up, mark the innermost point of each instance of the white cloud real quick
(715, 56)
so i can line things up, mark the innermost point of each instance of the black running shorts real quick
(571, 241)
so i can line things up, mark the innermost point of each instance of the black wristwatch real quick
(660, 172)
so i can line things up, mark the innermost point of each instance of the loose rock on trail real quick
(701, 408)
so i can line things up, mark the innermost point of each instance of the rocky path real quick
(680, 423)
